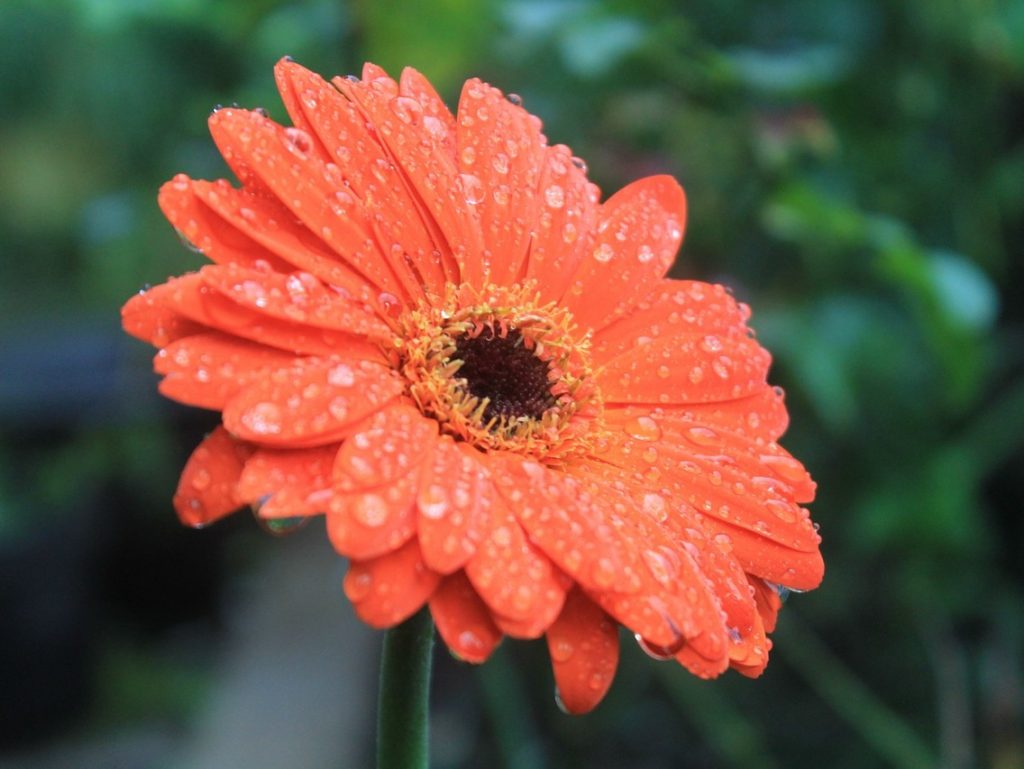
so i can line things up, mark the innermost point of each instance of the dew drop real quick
(644, 254)
(341, 375)
(562, 650)
(338, 408)
(643, 428)
(654, 505)
(370, 510)
(603, 253)
(408, 110)
(281, 527)
(788, 467)
(703, 436)
(263, 418)
(555, 196)
(358, 583)
(654, 651)
(298, 141)
(201, 480)
(604, 572)
(434, 502)
(472, 188)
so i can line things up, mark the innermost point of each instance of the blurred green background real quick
(855, 171)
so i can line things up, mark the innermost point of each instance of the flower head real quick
(429, 328)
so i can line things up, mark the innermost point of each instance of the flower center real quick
(502, 371)
(499, 369)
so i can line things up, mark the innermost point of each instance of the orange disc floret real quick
(429, 328)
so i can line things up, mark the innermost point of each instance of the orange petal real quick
(638, 233)
(284, 160)
(207, 370)
(759, 417)
(313, 403)
(206, 229)
(594, 532)
(345, 139)
(771, 535)
(584, 647)
(288, 483)
(500, 144)
(463, 620)
(768, 469)
(454, 506)
(298, 298)
(769, 602)
(390, 589)
(191, 298)
(447, 196)
(686, 369)
(515, 578)
(673, 308)
(748, 654)
(369, 523)
(258, 223)
(148, 317)
(385, 448)
(564, 521)
(565, 233)
(207, 490)
(416, 86)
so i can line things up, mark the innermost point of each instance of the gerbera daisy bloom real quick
(432, 330)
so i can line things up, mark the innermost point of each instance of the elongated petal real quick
(284, 161)
(565, 229)
(463, 620)
(392, 212)
(639, 230)
(313, 403)
(290, 482)
(500, 144)
(515, 578)
(371, 522)
(688, 369)
(387, 590)
(298, 298)
(385, 448)
(208, 489)
(424, 156)
(584, 647)
(209, 369)
(673, 308)
(454, 504)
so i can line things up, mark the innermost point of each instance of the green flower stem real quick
(403, 709)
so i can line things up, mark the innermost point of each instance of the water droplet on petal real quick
(341, 375)
(643, 428)
(562, 650)
(298, 141)
(434, 502)
(703, 436)
(201, 480)
(263, 418)
(603, 253)
(555, 196)
(370, 510)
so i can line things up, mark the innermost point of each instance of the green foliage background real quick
(855, 171)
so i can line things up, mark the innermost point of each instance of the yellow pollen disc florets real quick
(502, 370)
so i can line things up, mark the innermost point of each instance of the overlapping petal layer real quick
(380, 241)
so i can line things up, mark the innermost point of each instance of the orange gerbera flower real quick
(430, 328)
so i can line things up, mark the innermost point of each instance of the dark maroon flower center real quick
(502, 369)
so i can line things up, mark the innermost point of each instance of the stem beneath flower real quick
(403, 709)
